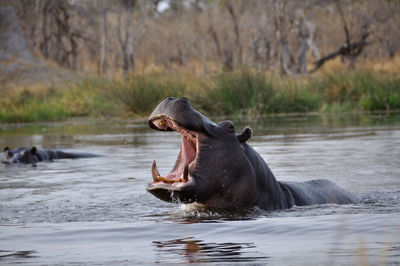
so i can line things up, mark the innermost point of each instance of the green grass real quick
(294, 96)
(141, 93)
(240, 92)
(365, 90)
(87, 98)
(244, 92)
(251, 93)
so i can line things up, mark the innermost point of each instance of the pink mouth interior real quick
(188, 152)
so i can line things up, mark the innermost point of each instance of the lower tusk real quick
(186, 174)
(154, 171)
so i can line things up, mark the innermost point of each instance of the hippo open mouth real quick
(186, 160)
(177, 115)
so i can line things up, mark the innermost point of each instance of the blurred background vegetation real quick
(60, 59)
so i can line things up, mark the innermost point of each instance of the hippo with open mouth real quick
(218, 169)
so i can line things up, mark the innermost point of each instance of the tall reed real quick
(142, 92)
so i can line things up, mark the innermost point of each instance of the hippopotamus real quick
(217, 168)
(34, 155)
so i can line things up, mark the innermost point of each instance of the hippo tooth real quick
(166, 179)
(186, 173)
(154, 171)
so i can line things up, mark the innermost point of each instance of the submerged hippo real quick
(34, 155)
(218, 169)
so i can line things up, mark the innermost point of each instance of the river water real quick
(96, 211)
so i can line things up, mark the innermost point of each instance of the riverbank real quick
(237, 93)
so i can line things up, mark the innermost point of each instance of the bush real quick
(143, 92)
(364, 89)
(241, 92)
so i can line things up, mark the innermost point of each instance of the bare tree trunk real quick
(44, 45)
(214, 36)
(235, 20)
(74, 51)
(104, 38)
(256, 50)
(267, 45)
(228, 59)
(310, 41)
(286, 59)
(303, 37)
(125, 40)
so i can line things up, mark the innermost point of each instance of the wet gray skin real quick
(34, 155)
(218, 169)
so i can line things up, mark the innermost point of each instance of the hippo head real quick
(21, 155)
(212, 167)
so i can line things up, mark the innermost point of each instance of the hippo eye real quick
(228, 126)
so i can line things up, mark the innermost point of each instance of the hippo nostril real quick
(171, 98)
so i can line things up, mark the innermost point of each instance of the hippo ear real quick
(246, 134)
(33, 150)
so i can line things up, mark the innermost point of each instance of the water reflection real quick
(191, 250)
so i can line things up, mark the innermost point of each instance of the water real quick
(96, 211)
